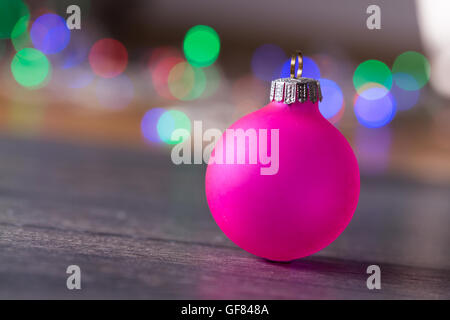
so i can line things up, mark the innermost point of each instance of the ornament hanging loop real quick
(295, 88)
(297, 56)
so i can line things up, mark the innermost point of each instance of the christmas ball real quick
(303, 188)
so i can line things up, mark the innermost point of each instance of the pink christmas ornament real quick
(303, 188)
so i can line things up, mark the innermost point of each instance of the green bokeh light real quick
(20, 37)
(171, 121)
(186, 82)
(30, 68)
(199, 85)
(11, 11)
(372, 73)
(414, 64)
(201, 46)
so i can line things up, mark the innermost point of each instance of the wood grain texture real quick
(139, 227)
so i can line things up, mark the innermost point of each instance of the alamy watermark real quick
(373, 22)
(74, 280)
(374, 280)
(238, 146)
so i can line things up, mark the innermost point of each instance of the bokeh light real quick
(170, 121)
(160, 75)
(159, 53)
(159, 72)
(267, 62)
(114, 93)
(30, 68)
(186, 82)
(375, 113)
(310, 68)
(181, 80)
(213, 81)
(406, 99)
(108, 58)
(414, 64)
(11, 11)
(20, 37)
(338, 116)
(49, 33)
(77, 52)
(149, 124)
(333, 99)
(372, 74)
(201, 46)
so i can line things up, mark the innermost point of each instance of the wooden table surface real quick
(139, 227)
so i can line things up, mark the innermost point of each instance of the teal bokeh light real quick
(171, 121)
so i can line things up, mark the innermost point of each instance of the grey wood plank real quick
(34, 262)
(140, 227)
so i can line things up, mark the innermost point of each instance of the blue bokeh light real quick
(375, 113)
(333, 98)
(149, 124)
(50, 34)
(406, 99)
(75, 55)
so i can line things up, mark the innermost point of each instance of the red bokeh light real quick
(160, 53)
(160, 76)
(108, 58)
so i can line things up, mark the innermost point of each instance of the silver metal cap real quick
(290, 90)
(295, 88)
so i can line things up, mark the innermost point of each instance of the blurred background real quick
(97, 83)
(139, 69)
